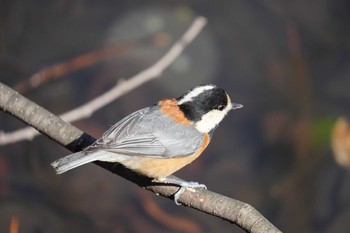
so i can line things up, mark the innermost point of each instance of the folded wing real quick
(148, 133)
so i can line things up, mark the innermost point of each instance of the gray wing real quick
(149, 133)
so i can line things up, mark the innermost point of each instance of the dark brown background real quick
(288, 62)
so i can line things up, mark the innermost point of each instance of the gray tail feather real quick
(71, 161)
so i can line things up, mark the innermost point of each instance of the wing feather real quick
(147, 133)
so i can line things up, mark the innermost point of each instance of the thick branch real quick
(239, 213)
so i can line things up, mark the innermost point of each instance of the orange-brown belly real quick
(162, 167)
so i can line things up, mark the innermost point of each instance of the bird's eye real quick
(221, 107)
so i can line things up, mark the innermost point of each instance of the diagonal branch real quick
(234, 211)
(121, 88)
(239, 213)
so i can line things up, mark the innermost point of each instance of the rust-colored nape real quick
(170, 108)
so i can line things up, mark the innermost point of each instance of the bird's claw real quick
(184, 186)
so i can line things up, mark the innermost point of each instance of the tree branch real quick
(121, 88)
(239, 213)
(234, 211)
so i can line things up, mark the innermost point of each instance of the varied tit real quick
(159, 140)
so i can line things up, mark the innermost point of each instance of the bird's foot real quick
(183, 185)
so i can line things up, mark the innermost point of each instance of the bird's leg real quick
(182, 183)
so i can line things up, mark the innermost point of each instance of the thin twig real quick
(82, 61)
(121, 88)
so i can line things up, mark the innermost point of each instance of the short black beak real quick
(236, 106)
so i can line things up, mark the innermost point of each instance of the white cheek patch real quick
(211, 119)
(194, 93)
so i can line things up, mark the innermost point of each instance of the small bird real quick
(159, 140)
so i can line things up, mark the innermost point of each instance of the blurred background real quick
(286, 152)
